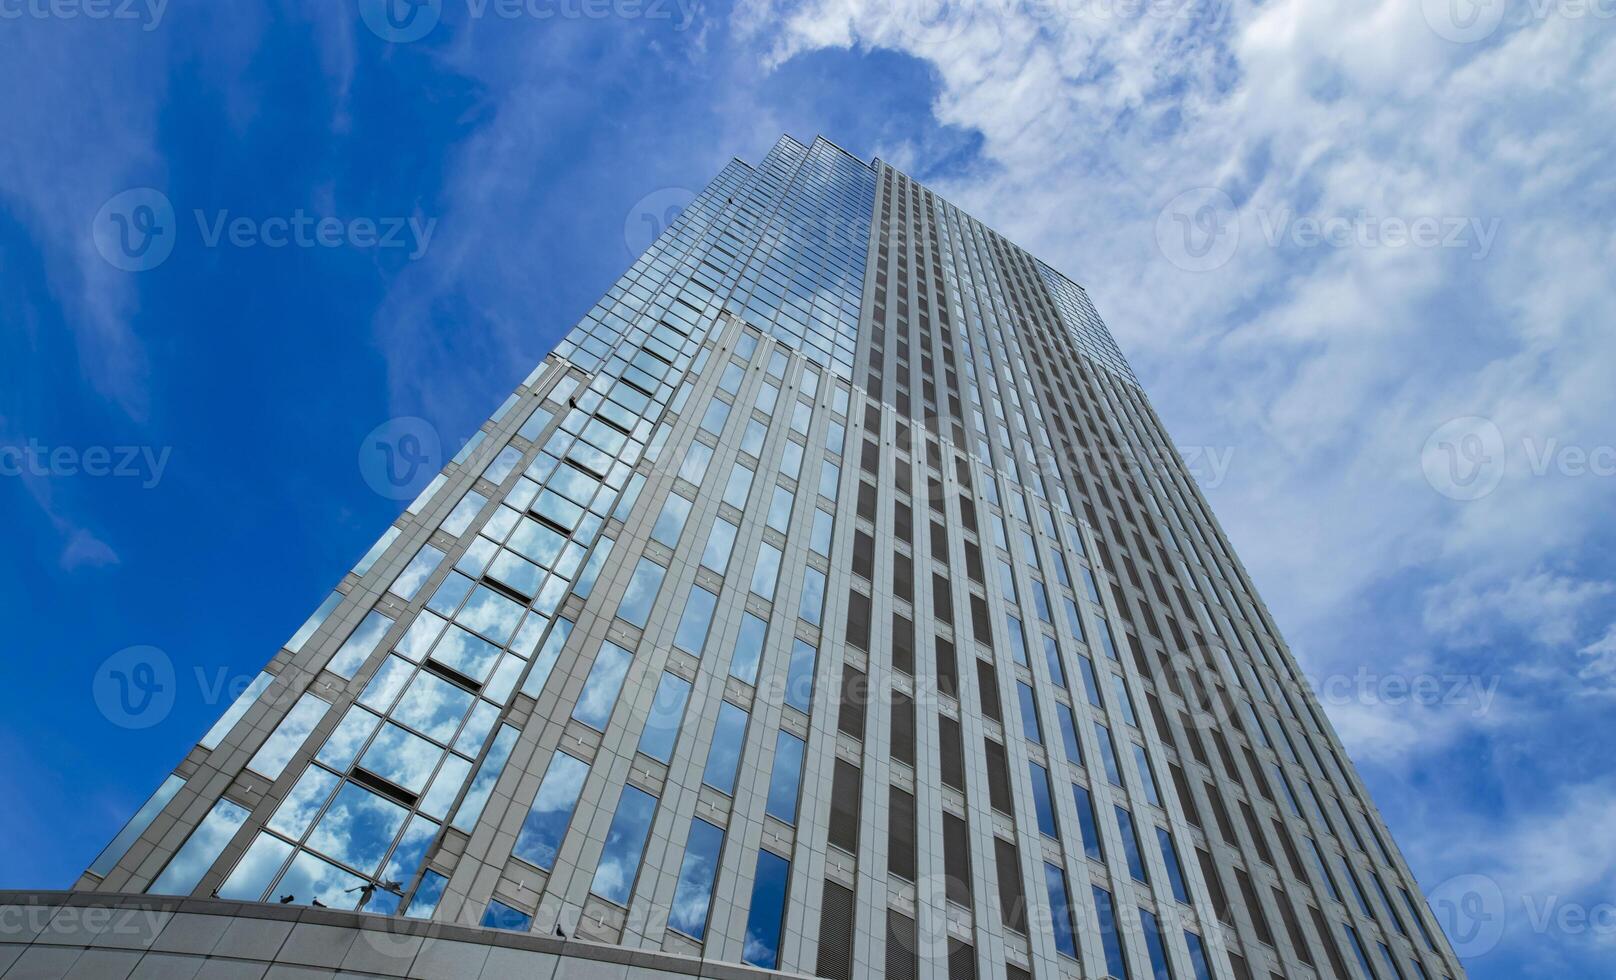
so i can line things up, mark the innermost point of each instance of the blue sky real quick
(1358, 253)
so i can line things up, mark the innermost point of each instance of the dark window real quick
(998, 777)
(844, 806)
(903, 948)
(1214, 884)
(901, 855)
(855, 702)
(858, 619)
(951, 751)
(836, 933)
(961, 960)
(863, 555)
(947, 669)
(942, 601)
(1259, 919)
(1012, 900)
(903, 577)
(980, 625)
(903, 644)
(987, 684)
(957, 859)
(903, 728)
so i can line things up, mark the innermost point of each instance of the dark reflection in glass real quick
(1060, 908)
(498, 915)
(767, 914)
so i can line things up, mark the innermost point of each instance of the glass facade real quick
(731, 631)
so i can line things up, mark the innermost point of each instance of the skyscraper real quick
(832, 601)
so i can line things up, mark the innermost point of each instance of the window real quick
(1060, 911)
(1029, 714)
(642, 592)
(693, 895)
(800, 676)
(482, 785)
(547, 820)
(1053, 659)
(713, 419)
(358, 828)
(724, 758)
(1092, 845)
(271, 758)
(752, 438)
(691, 637)
(767, 911)
(694, 468)
(1042, 801)
(1108, 752)
(811, 605)
(1116, 963)
(667, 711)
(464, 513)
(416, 573)
(201, 849)
(1175, 871)
(143, 817)
(1068, 726)
(361, 643)
(315, 621)
(1130, 845)
(625, 843)
(786, 779)
(1159, 967)
(739, 486)
(748, 653)
(601, 687)
(242, 704)
(720, 541)
(1146, 775)
(1091, 684)
(671, 522)
(766, 572)
(780, 509)
(1018, 641)
(498, 915)
(819, 539)
(1120, 688)
(830, 477)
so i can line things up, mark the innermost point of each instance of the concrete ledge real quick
(54, 934)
